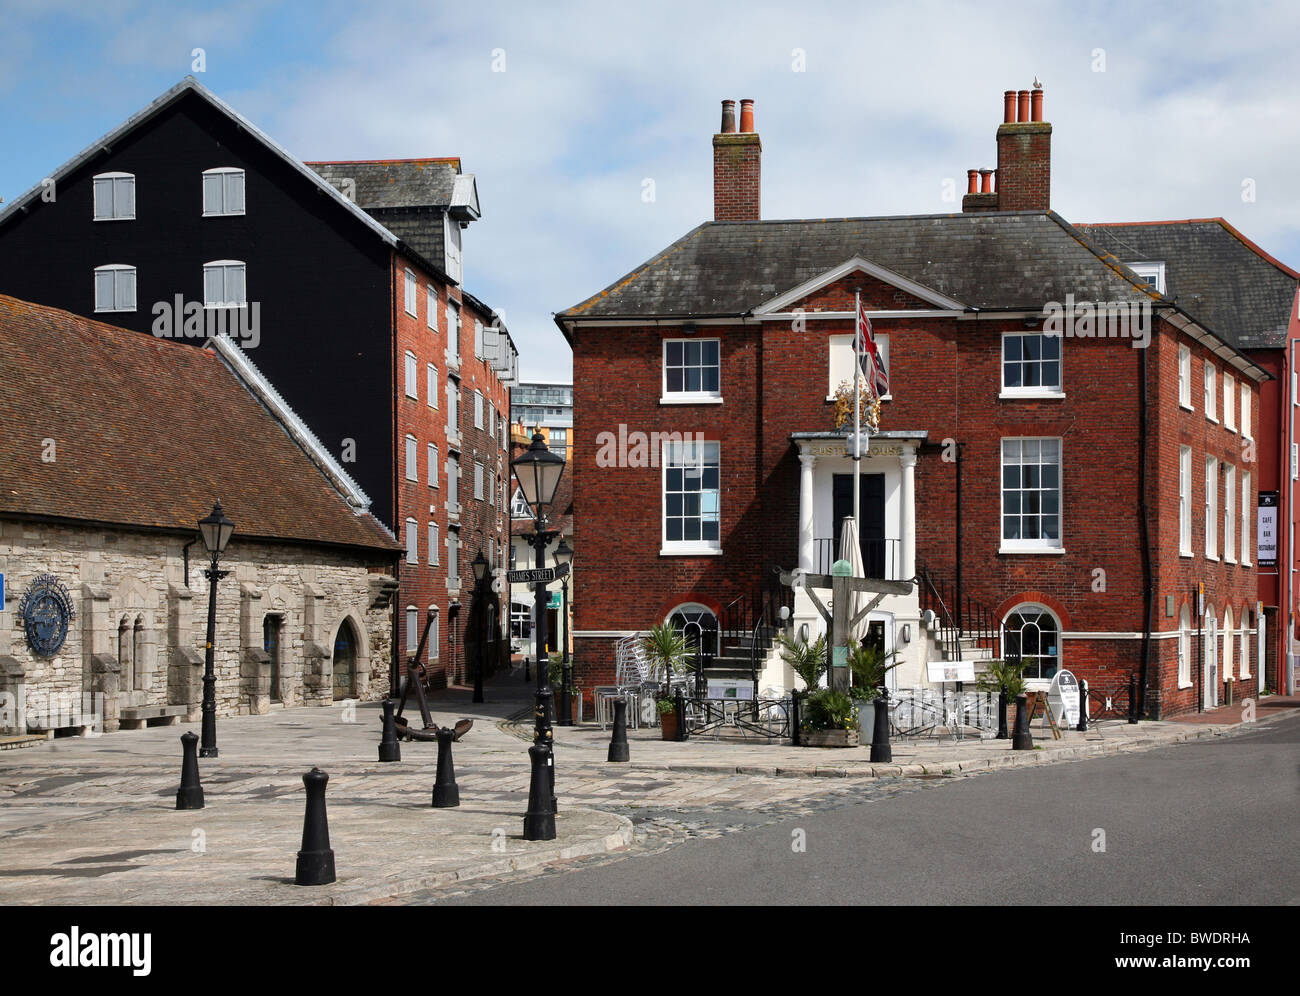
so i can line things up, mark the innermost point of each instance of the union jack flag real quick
(873, 364)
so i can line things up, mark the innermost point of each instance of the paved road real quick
(1202, 824)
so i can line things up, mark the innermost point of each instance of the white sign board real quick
(941, 671)
(730, 688)
(1063, 698)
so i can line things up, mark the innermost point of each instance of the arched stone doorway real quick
(345, 661)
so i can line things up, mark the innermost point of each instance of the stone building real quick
(116, 444)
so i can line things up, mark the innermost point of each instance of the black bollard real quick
(445, 792)
(1132, 698)
(190, 794)
(679, 710)
(1022, 739)
(389, 748)
(527, 675)
(539, 821)
(315, 860)
(1002, 715)
(794, 718)
(880, 749)
(1083, 706)
(618, 740)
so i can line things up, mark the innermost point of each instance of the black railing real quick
(881, 558)
(748, 624)
(960, 617)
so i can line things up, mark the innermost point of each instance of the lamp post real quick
(216, 531)
(538, 473)
(480, 566)
(564, 556)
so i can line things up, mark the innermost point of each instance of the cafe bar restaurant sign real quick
(1267, 532)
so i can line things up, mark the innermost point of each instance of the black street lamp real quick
(216, 531)
(538, 472)
(480, 566)
(564, 557)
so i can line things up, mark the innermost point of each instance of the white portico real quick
(887, 531)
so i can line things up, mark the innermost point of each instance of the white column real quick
(806, 463)
(908, 501)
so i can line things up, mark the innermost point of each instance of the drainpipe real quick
(958, 517)
(1147, 591)
(185, 552)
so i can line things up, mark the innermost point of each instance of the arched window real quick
(1210, 662)
(1185, 647)
(137, 652)
(1033, 634)
(125, 649)
(700, 626)
(1245, 643)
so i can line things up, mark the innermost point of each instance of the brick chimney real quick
(1024, 173)
(1024, 155)
(736, 157)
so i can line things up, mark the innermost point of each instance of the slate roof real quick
(147, 433)
(395, 183)
(986, 260)
(1214, 273)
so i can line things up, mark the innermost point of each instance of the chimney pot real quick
(746, 116)
(1008, 106)
(972, 181)
(728, 117)
(986, 181)
(1036, 100)
(1024, 106)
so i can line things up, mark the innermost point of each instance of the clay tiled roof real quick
(148, 432)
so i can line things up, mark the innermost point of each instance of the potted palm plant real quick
(1007, 678)
(807, 660)
(672, 653)
(869, 666)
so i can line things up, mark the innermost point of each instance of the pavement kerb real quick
(552, 851)
(512, 726)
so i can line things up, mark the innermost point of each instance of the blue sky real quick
(1159, 111)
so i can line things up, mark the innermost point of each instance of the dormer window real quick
(1152, 274)
(114, 197)
(223, 191)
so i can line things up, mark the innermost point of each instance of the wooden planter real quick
(668, 725)
(828, 738)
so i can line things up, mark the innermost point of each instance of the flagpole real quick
(857, 406)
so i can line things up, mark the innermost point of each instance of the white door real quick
(1210, 679)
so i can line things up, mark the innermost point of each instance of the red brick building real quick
(1043, 467)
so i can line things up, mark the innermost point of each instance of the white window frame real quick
(684, 396)
(670, 456)
(431, 306)
(412, 542)
(1038, 545)
(1185, 377)
(412, 376)
(478, 339)
(412, 630)
(434, 541)
(1185, 501)
(120, 273)
(226, 267)
(1040, 390)
(453, 484)
(1244, 639)
(1247, 429)
(453, 334)
(227, 174)
(411, 468)
(452, 248)
(453, 559)
(115, 182)
(434, 650)
(1211, 392)
(478, 409)
(1229, 402)
(1229, 513)
(431, 451)
(453, 408)
(431, 384)
(410, 295)
(840, 361)
(1038, 683)
(1211, 508)
(1147, 271)
(1246, 507)
(478, 480)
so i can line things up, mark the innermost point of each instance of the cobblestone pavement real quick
(92, 820)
